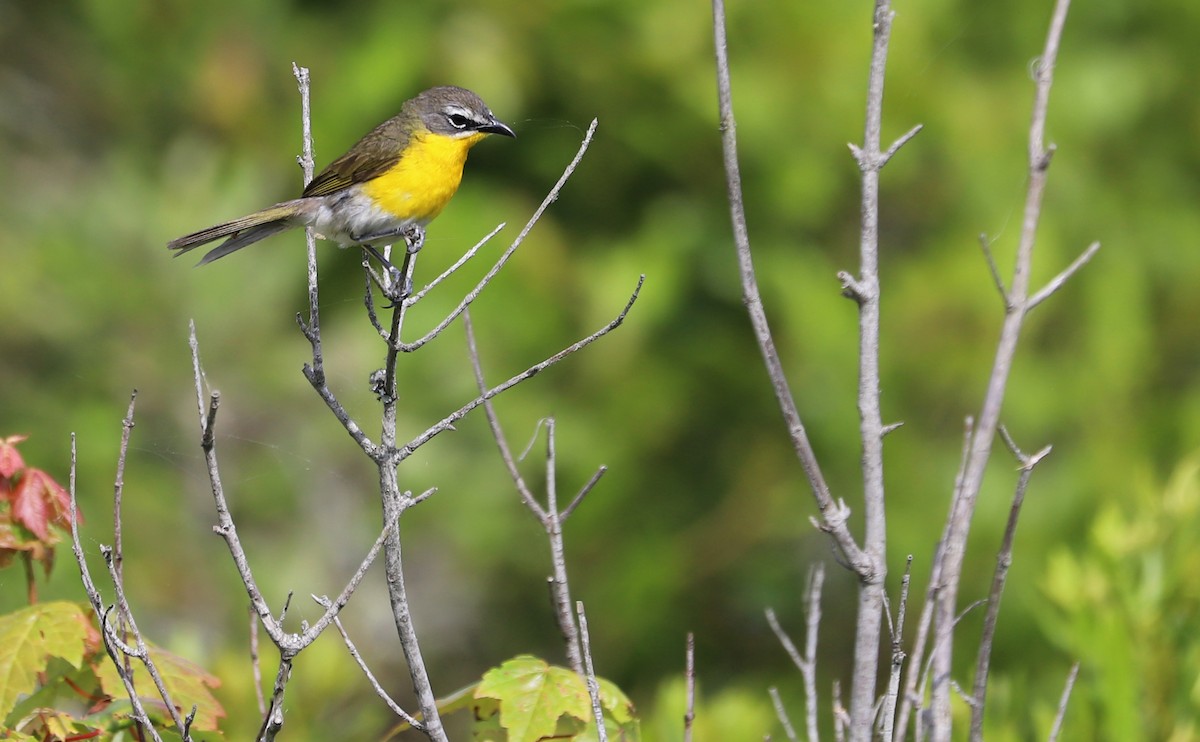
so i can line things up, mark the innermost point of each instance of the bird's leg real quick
(399, 286)
(414, 238)
(393, 272)
(412, 234)
(387, 264)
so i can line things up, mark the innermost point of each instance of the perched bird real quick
(399, 176)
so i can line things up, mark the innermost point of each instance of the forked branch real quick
(1018, 303)
(831, 513)
(1003, 561)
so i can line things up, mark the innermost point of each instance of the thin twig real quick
(548, 517)
(788, 645)
(419, 295)
(362, 665)
(888, 713)
(1062, 704)
(593, 685)
(289, 644)
(119, 486)
(900, 142)
(832, 513)
(447, 422)
(310, 634)
(806, 663)
(118, 493)
(967, 698)
(985, 245)
(305, 160)
(97, 602)
(1003, 562)
(287, 603)
(139, 650)
(126, 625)
(315, 371)
(1056, 283)
(506, 455)
(311, 328)
(781, 714)
(928, 677)
(689, 675)
(117, 651)
(198, 377)
(583, 492)
(841, 719)
(225, 526)
(369, 297)
(255, 662)
(911, 697)
(560, 584)
(89, 587)
(954, 546)
(339, 412)
(408, 269)
(816, 581)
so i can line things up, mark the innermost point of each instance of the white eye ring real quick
(459, 119)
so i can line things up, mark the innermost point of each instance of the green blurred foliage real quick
(126, 123)
(1127, 605)
(727, 715)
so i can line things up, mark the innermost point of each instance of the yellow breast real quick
(420, 185)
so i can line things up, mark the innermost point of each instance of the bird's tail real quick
(244, 231)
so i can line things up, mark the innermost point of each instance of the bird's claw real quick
(414, 239)
(398, 289)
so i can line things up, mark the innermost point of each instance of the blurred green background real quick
(124, 124)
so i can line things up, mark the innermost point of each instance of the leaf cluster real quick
(34, 509)
(58, 683)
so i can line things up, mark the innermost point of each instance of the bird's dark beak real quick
(498, 127)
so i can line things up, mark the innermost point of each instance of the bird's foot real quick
(414, 239)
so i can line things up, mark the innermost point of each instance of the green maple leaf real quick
(186, 682)
(29, 637)
(526, 700)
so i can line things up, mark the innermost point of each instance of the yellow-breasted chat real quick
(399, 176)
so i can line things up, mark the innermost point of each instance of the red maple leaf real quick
(10, 461)
(39, 502)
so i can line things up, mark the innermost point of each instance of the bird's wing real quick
(374, 155)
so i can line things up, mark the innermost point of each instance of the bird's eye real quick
(459, 121)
